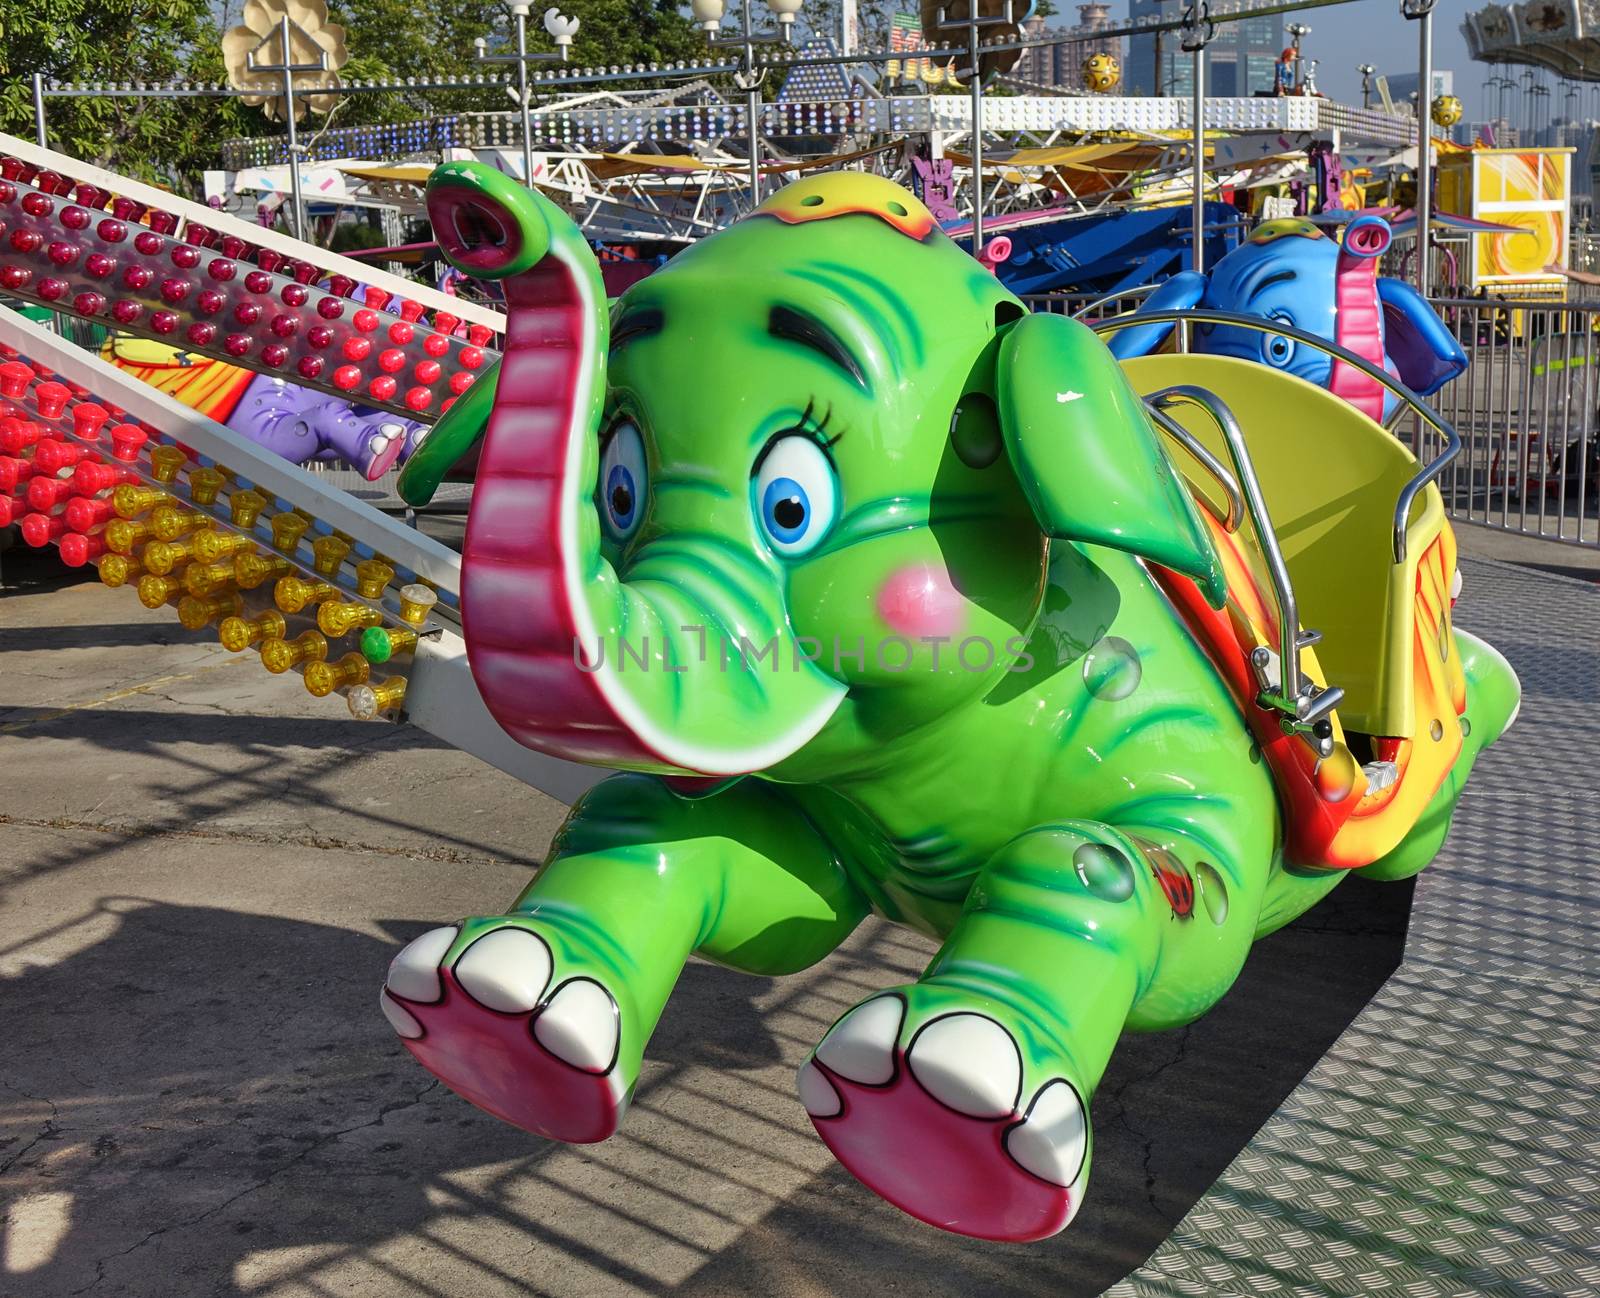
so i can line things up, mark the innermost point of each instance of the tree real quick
(121, 40)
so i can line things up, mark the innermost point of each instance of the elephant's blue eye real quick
(623, 481)
(1276, 349)
(796, 495)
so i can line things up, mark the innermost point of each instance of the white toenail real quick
(1455, 585)
(579, 1026)
(1053, 1138)
(816, 1092)
(414, 973)
(399, 1017)
(506, 970)
(970, 1063)
(861, 1045)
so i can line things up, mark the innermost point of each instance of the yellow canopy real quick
(414, 173)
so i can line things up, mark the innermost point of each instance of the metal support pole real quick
(297, 210)
(520, 12)
(753, 112)
(1196, 36)
(975, 75)
(1199, 259)
(1421, 11)
(38, 110)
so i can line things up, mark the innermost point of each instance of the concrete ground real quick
(203, 873)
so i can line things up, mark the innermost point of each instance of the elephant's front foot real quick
(926, 1097)
(381, 449)
(484, 1008)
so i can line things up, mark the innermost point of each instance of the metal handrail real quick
(1429, 471)
(1304, 704)
(1197, 448)
(1144, 290)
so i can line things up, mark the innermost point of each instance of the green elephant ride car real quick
(885, 596)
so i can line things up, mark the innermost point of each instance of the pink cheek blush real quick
(920, 601)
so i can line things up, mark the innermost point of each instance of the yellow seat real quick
(1330, 477)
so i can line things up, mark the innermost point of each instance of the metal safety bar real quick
(1428, 472)
(1303, 705)
(1127, 294)
(1197, 448)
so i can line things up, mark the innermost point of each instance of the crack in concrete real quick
(383, 1112)
(1147, 1143)
(321, 842)
(51, 1129)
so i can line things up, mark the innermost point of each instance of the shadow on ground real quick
(212, 1087)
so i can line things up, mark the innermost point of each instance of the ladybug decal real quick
(1174, 881)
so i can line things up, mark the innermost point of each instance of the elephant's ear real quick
(1179, 293)
(1425, 353)
(1087, 455)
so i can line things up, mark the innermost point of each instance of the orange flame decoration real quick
(1331, 820)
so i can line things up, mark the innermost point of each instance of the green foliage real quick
(172, 141)
(121, 40)
(433, 40)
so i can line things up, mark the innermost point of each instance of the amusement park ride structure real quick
(575, 118)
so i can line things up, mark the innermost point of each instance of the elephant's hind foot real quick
(482, 1010)
(946, 1126)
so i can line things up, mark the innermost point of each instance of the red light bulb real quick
(77, 549)
(51, 399)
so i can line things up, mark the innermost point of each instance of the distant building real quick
(1239, 62)
(1402, 85)
(1060, 67)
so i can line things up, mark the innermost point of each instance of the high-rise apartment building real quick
(1240, 61)
(1061, 66)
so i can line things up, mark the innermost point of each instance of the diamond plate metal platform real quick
(1449, 1143)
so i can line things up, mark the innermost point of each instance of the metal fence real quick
(1526, 410)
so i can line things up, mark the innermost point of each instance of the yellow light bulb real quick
(238, 634)
(119, 569)
(340, 619)
(246, 507)
(292, 594)
(204, 485)
(171, 521)
(130, 501)
(122, 535)
(162, 557)
(372, 575)
(278, 654)
(196, 611)
(166, 461)
(416, 602)
(155, 591)
(287, 529)
(212, 544)
(252, 570)
(208, 578)
(323, 678)
(330, 552)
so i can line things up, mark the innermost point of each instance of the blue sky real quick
(1372, 31)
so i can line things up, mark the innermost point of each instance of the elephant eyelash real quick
(817, 428)
(808, 425)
